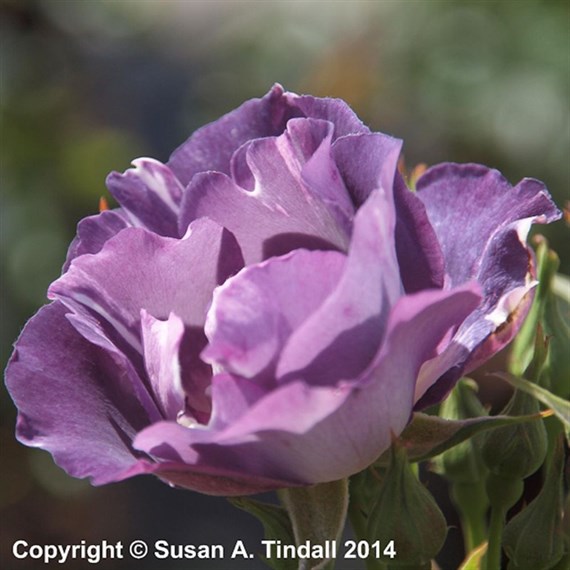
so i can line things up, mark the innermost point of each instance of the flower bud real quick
(534, 539)
(406, 513)
(462, 463)
(515, 452)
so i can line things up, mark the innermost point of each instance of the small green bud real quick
(515, 452)
(534, 539)
(503, 492)
(406, 513)
(462, 463)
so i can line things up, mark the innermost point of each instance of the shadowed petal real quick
(482, 222)
(207, 479)
(71, 398)
(312, 434)
(254, 313)
(340, 338)
(419, 254)
(282, 205)
(367, 162)
(141, 270)
(161, 344)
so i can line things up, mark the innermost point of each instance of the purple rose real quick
(267, 307)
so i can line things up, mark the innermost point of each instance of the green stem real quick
(415, 469)
(472, 504)
(358, 523)
(503, 493)
(475, 532)
(495, 538)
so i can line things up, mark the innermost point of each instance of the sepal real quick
(533, 539)
(406, 513)
(462, 463)
(428, 436)
(276, 526)
(318, 515)
(560, 407)
(518, 451)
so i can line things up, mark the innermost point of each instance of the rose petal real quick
(340, 338)
(94, 231)
(196, 374)
(367, 162)
(300, 162)
(71, 398)
(471, 208)
(306, 147)
(312, 434)
(253, 444)
(140, 270)
(150, 194)
(282, 213)
(212, 146)
(206, 479)
(161, 343)
(419, 254)
(482, 222)
(128, 360)
(254, 313)
(336, 111)
(322, 177)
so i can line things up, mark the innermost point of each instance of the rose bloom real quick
(269, 306)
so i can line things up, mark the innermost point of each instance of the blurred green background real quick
(86, 86)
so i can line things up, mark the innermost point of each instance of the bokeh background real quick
(86, 86)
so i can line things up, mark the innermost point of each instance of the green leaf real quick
(428, 436)
(318, 515)
(474, 560)
(276, 526)
(559, 406)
